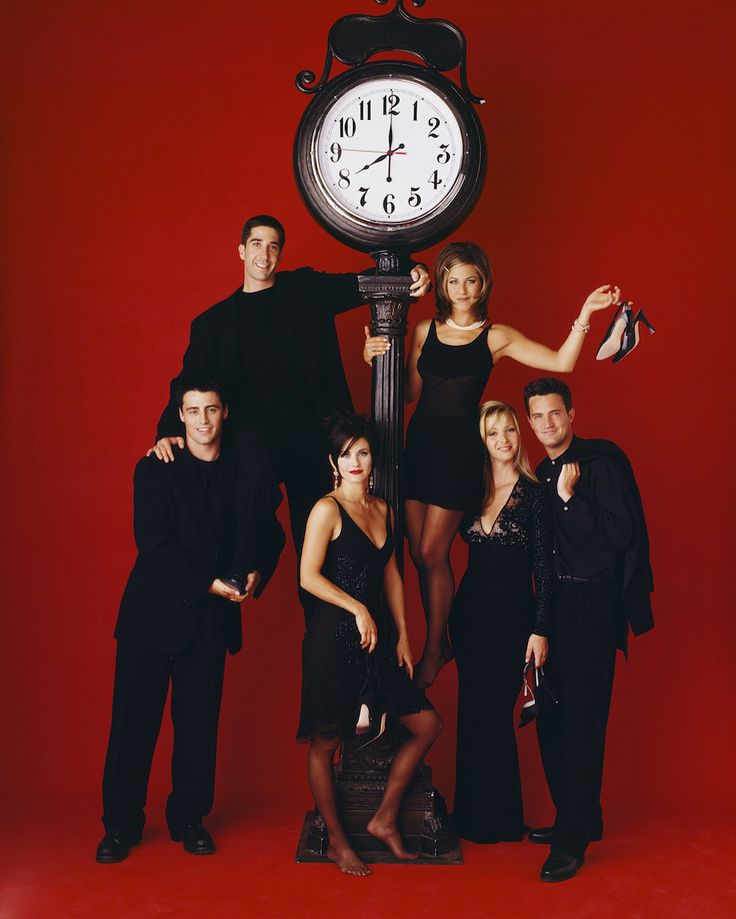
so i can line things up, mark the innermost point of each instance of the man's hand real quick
(375, 345)
(569, 475)
(422, 283)
(221, 589)
(251, 583)
(164, 448)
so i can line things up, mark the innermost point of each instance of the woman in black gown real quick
(498, 621)
(450, 360)
(348, 563)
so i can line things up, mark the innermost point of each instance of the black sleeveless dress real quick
(443, 457)
(335, 669)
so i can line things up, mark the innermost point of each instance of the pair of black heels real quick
(623, 333)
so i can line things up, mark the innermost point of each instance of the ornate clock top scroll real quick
(355, 38)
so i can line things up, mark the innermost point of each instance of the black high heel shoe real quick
(631, 336)
(611, 342)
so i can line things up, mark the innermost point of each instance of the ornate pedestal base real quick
(360, 780)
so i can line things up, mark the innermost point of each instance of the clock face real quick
(389, 150)
(390, 154)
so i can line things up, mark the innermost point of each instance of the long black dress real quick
(443, 457)
(495, 611)
(334, 666)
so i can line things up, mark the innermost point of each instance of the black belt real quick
(571, 579)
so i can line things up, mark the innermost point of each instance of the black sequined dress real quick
(335, 668)
(503, 597)
(443, 457)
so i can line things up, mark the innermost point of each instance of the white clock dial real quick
(389, 151)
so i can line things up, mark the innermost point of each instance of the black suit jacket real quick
(309, 302)
(182, 549)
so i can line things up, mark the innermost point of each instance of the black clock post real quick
(425, 153)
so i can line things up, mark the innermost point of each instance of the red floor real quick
(643, 869)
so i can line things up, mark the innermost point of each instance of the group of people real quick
(558, 565)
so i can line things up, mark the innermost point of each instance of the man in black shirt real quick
(604, 579)
(274, 345)
(177, 619)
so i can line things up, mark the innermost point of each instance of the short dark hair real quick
(343, 427)
(198, 384)
(548, 386)
(263, 220)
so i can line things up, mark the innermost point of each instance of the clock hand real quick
(390, 154)
(377, 160)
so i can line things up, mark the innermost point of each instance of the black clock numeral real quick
(388, 204)
(365, 109)
(347, 127)
(434, 123)
(434, 180)
(415, 110)
(414, 198)
(335, 152)
(443, 156)
(344, 180)
(363, 195)
(390, 104)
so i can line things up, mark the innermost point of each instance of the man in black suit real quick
(274, 345)
(604, 579)
(177, 619)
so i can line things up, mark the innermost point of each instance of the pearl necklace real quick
(464, 328)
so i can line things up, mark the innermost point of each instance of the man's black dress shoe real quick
(195, 838)
(115, 846)
(543, 835)
(560, 867)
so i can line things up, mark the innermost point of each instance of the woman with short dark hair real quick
(356, 660)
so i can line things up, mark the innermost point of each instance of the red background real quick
(139, 136)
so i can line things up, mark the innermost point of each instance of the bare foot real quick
(428, 667)
(347, 861)
(388, 833)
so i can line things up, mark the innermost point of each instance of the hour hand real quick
(368, 165)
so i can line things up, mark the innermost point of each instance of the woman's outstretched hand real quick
(600, 299)
(367, 629)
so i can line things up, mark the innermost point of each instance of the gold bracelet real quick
(579, 327)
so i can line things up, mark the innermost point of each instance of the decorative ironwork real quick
(439, 43)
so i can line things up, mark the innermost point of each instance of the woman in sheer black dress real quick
(498, 621)
(449, 362)
(348, 563)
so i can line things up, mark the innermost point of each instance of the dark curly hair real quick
(343, 428)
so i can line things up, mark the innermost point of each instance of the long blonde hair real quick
(489, 412)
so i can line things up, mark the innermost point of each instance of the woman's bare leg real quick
(319, 770)
(430, 549)
(425, 728)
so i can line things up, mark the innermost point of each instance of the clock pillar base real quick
(360, 781)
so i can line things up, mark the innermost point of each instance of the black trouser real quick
(303, 492)
(488, 806)
(141, 685)
(572, 734)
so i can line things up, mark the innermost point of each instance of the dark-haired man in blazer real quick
(178, 618)
(604, 579)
